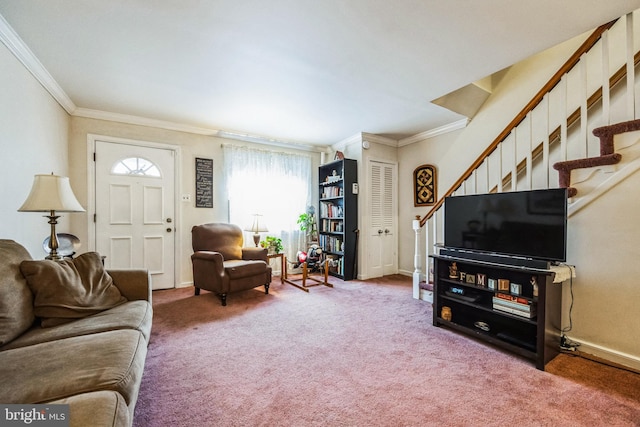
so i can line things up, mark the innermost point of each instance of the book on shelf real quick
(527, 314)
(332, 226)
(330, 243)
(527, 306)
(514, 305)
(336, 264)
(331, 191)
(330, 210)
(512, 298)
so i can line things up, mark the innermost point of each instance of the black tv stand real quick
(496, 258)
(528, 324)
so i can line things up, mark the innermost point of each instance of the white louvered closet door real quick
(383, 241)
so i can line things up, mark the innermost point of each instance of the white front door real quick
(383, 224)
(135, 204)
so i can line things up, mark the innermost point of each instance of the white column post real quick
(417, 258)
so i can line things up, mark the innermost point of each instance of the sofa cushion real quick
(112, 360)
(237, 269)
(130, 315)
(70, 289)
(16, 299)
(98, 408)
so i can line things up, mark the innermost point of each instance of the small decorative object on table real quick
(471, 279)
(503, 284)
(481, 280)
(534, 284)
(516, 289)
(453, 271)
(491, 284)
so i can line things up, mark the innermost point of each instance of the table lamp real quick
(51, 193)
(257, 227)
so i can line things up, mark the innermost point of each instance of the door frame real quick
(91, 192)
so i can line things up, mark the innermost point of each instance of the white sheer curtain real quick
(273, 184)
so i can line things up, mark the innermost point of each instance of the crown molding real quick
(383, 140)
(178, 127)
(19, 49)
(271, 142)
(341, 145)
(142, 121)
(453, 126)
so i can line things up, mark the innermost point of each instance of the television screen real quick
(529, 224)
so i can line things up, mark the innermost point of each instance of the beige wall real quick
(190, 146)
(33, 140)
(37, 136)
(454, 152)
(602, 238)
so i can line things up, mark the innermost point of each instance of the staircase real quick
(580, 131)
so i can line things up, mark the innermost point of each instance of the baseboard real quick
(426, 295)
(608, 354)
(405, 273)
(184, 284)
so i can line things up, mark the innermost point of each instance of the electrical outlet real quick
(186, 197)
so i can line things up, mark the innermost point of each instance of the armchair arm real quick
(134, 284)
(208, 270)
(215, 257)
(256, 254)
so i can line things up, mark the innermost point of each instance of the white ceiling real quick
(306, 71)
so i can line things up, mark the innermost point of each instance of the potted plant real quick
(305, 221)
(273, 244)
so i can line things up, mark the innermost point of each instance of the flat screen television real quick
(526, 224)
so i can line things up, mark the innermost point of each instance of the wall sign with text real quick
(204, 183)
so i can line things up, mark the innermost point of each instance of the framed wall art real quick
(424, 185)
(204, 183)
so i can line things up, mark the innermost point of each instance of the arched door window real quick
(136, 166)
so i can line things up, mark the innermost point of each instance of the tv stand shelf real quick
(524, 318)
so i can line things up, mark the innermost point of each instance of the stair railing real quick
(556, 140)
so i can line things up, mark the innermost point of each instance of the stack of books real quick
(514, 305)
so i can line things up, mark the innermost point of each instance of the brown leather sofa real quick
(222, 265)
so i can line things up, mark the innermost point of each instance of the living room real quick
(40, 136)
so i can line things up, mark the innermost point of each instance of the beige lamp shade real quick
(257, 226)
(51, 193)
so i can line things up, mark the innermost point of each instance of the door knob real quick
(379, 231)
(169, 229)
(169, 220)
(386, 231)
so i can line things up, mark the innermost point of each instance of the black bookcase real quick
(515, 308)
(338, 216)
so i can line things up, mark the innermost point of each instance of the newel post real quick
(417, 258)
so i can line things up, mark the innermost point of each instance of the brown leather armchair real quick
(222, 265)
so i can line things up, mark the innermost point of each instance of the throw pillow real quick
(70, 289)
(16, 299)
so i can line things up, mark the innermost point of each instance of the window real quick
(135, 166)
(274, 184)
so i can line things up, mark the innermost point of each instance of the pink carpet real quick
(363, 353)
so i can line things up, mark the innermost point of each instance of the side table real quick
(283, 267)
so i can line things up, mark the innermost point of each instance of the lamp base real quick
(54, 257)
(53, 239)
(256, 239)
